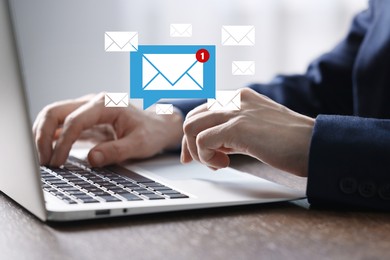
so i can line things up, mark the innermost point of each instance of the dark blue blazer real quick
(348, 91)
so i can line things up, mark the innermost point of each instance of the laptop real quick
(77, 191)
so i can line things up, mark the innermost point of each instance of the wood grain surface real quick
(273, 231)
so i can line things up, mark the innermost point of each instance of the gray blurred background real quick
(62, 42)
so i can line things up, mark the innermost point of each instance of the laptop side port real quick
(102, 212)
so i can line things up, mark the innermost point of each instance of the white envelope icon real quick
(120, 41)
(225, 100)
(164, 109)
(181, 30)
(243, 68)
(240, 35)
(171, 72)
(116, 100)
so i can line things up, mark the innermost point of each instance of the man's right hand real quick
(139, 134)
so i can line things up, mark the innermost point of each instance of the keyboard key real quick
(67, 185)
(162, 188)
(137, 188)
(50, 177)
(70, 189)
(154, 184)
(65, 173)
(145, 182)
(153, 196)
(57, 182)
(116, 178)
(99, 180)
(122, 192)
(169, 192)
(73, 179)
(76, 193)
(109, 198)
(57, 192)
(93, 189)
(110, 188)
(130, 196)
(124, 182)
(51, 190)
(90, 201)
(70, 201)
(101, 193)
(116, 189)
(95, 178)
(145, 191)
(100, 171)
(177, 196)
(82, 196)
(78, 182)
(130, 185)
(86, 185)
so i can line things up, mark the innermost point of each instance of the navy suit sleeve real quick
(349, 162)
(326, 88)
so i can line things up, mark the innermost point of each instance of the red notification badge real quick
(202, 55)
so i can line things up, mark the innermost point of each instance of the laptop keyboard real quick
(76, 182)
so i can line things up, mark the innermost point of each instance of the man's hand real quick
(262, 129)
(138, 134)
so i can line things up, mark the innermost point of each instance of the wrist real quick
(170, 128)
(174, 126)
(307, 133)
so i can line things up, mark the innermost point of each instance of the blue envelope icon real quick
(171, 72)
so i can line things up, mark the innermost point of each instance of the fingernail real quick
(97, 158)
(182, 158)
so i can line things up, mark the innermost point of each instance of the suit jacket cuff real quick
(349, 163)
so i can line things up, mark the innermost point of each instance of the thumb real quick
(110, 152)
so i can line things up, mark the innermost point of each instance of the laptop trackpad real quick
(228, 181)
(169, 167)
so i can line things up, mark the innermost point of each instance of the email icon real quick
(120, 41)
(116, 100)
(164, 109)
(239, 35)
(243, 68)
(181, 30)
(226, 100)
(171, 71)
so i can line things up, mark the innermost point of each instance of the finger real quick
(199, 122)
(185, 153)
(211, 144)
(46, 125)
(197, 110)
(60, 108)
(111, 152)
(85, 117)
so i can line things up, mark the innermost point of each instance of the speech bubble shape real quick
(172, 71)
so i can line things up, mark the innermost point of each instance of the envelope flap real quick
(181, 28)
(117, 97)
(243, 65)
(226, 97)
(121, 38)
(238, 32)
(165, 107)
(172, 66)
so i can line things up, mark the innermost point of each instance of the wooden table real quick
(273, 231)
